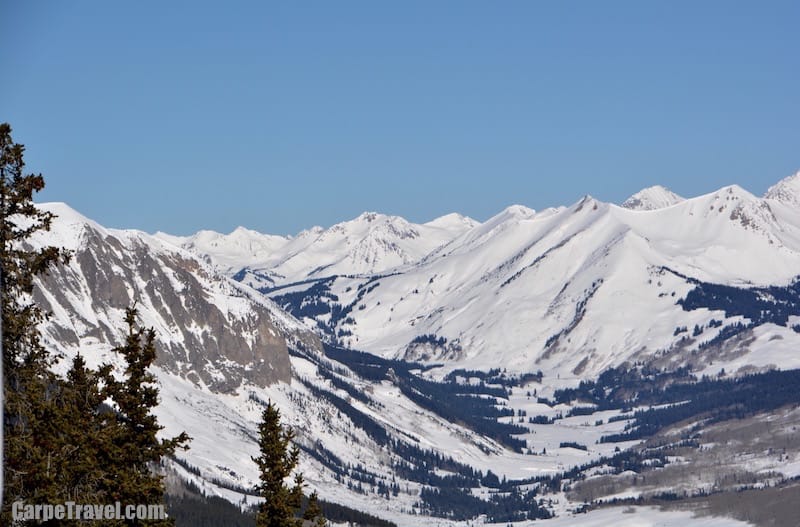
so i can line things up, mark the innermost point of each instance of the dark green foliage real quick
(460, 505)
(276, 463)
(431, 339)
(619, 387)
(572, 444)
(478, 413)
(193, 509)
(759, 304)
(369, 366)
(375, 430)
(211, 511)
(313, 512)
(31, 419)
(315, 301)
(716, 400)
(340, 514)
(133, 449)
(62, 442)
(457, 402)
(88, 441)
(683, 396)
(496, 376)
(318, 300)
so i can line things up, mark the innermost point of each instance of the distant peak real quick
(734, 189)
(652, 198)
(243, 230)
(786, 190)
(177, 241)
(369, 217)
(452, 220)
(311, 231)
(64, 212)
(519, 211)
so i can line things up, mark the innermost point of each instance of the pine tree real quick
(134, 449)
(32, 448)
(87, 436)
(277, 461)
(313, 512)
(61, 441)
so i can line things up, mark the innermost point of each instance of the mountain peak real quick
(786, 190)
(64, 212)
(652, 198)
(70, 226)
(244, 231)
(519, 211)
(369, 217)
(453, 220)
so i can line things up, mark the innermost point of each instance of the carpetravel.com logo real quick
(70, 510)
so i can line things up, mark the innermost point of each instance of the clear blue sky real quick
(281, 115)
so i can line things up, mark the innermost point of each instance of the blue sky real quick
(281, 115)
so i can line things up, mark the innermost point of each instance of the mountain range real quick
(427, 364)
(570, 290)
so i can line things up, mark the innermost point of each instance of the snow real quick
(636, 517)
(240, 248)
(787, 190)
(570, 291)
(453, 222)
(370, 243)
(652, 198)
(504, 288)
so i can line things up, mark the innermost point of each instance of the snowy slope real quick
(242, 247)
(574, 290)
(371, 243)
(652, 198)
(212, 329)
(223, 351)
(786, 191)
(569, 291)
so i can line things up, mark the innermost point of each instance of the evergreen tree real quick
(80, 433)
(61, 442)
(277, 461)
(31, 441)
(313, 512)
(85, 440)
(133, 450)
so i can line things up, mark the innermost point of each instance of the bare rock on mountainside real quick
(209, 329)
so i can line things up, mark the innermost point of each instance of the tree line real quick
(91, 436)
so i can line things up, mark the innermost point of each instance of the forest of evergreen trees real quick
(89, 436)
(472, 405)
(758, 304)
(715, 400)
(192, 508)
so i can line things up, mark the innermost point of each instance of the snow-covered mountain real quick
(575, 290)
(368, 244)
(652, 198)
(224, 350)
(211, 329)
(240, 247)
(787, 191)
(470, 328)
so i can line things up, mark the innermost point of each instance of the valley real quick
(534, 366)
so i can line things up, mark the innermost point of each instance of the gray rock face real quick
(209, 329)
